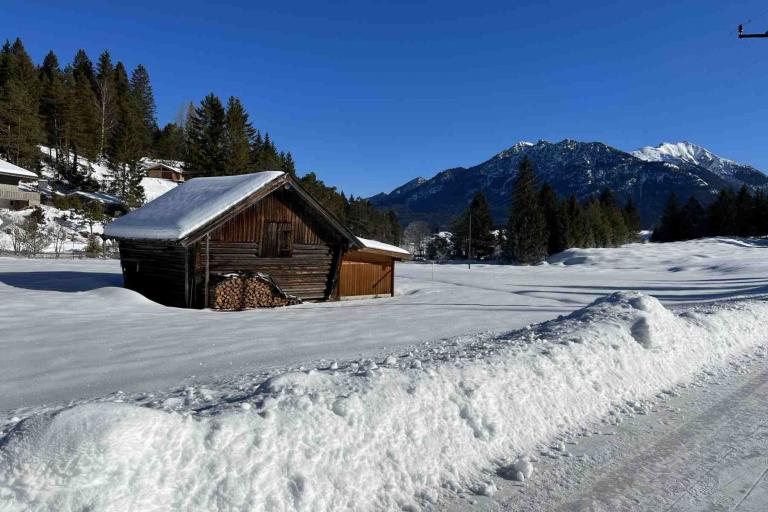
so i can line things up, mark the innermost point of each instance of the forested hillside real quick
(81, 112)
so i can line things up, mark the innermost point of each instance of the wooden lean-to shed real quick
(174, 248)
(370, 269)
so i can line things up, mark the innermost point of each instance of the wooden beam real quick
(334, 291)
(207, 267)
(392, 278)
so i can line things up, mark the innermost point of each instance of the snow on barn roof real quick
(188, 207)
(381, 246)
(9, 169)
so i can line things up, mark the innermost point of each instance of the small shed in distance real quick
(370, 270)
(164, 170)
(173, 248)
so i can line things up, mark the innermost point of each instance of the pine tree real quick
(329, 197)
(722, 214)
(141, 89)
(395, 228)
(631, 217)
(170, 144)
(556, 229)
(745, 213)
(476, 222)
(20, 129)
(692, 220)
(526, 229)
(670, 228)
(288, 165)
(239, 134)
(206, 138)
(127, 147)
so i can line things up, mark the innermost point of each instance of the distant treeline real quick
(743, 213)
(540, 224)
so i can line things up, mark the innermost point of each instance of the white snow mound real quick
(390, 439)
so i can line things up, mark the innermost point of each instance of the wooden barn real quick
(258, 236)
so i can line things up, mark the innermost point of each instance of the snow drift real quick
(387, 436)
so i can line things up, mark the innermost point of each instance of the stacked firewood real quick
(245, 291)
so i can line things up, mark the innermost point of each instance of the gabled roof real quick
(187, 212)
(168, 165)
(8, 169)
(374, 246)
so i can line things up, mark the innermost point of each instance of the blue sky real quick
(372, 94)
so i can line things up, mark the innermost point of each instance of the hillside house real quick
(176, 248)
(18, 187)
(164, 171)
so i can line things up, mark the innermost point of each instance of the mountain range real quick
(648, 175)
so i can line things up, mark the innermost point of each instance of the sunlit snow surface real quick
(386, 430)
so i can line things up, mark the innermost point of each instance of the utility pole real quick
(742, 35)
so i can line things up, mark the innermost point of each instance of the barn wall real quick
(239, 245)
(366, 274)
(156, 271)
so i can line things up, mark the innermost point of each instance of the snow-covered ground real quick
(374, 404)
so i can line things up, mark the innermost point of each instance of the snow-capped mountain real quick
(687, 152)
(570, 167)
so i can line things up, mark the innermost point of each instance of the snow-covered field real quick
(359, 405)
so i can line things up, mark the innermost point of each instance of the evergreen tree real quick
(555, 220)
(631, 217)
(333, 201)
(670, 227)
(526, 229)
(476, 221)
(127, 147)
(395, 228)
(170, 144)
(745, 213)
(20, 129)
(288, 165)
(206, 138)
(141, 88)
(239, 135)
(722, 214)
(693, 220)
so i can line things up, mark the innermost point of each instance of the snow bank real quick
(385, 438)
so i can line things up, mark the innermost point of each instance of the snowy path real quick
(706, 449)
(70, 331)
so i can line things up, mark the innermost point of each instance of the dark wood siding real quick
(366, 274)
(279, 236)
(157, 271)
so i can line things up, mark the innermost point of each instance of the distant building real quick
(178, 249)
(164, 171)
(18, 187)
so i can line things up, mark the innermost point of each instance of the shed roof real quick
(153, 164)
(184, 212)
(184, 209)
(8, 169)
(381, 247)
